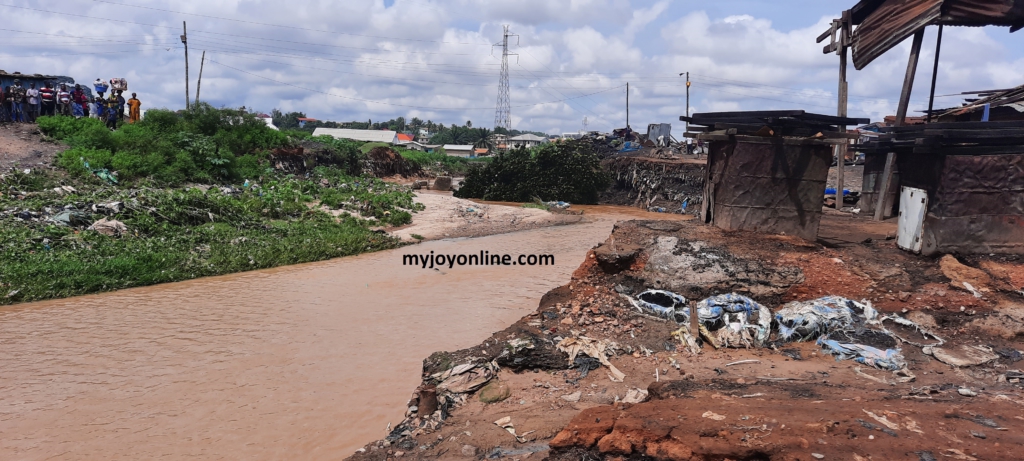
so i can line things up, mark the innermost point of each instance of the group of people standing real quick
(24, 105)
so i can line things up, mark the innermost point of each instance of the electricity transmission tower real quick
(585, 123)
(503, 111)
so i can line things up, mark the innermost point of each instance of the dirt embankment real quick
(445, 216)
(22, 145)
(653, 183)
(518, 396)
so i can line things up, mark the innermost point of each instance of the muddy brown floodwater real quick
(309, 361)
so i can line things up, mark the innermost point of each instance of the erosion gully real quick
(309, 361)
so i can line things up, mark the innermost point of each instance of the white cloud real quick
(434, 59)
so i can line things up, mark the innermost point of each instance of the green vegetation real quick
(569, 171)
(198, 196)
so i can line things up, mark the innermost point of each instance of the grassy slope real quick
(176, 231)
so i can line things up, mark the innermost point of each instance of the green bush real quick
(569, 171)
(204, 145)
(74, 160)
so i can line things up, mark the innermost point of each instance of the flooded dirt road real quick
(307, 361)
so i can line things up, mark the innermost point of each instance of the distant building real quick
(459, 150)
(404, 138)
(416, 145)
(527, 140)
(303, 121)
(268, 120)
(389, 137)
(480, 151)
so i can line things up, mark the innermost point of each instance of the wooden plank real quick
(901, 117)
(890, 158)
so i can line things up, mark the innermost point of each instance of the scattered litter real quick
(888, 359)
(636, 396)
(865, 375)
(966, 392)
(506, 423)
(807, 320)
(737, 320)
(1014, 374)
(109, 227)
(712, 415)
(750, 396)
(661, 303)
(71, 218)
(926, 456)
(1012, 355)
(467, 377)
(883, 420)
(818, 455)
(586, 365)
(876, 427)
(965, 356)
(558, 205)
(971, 289)
(593, 348)
(793, 354)
(741, 362)
(980, 435)
(957, 454)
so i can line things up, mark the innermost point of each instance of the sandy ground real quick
(448, 217)
(21, 145)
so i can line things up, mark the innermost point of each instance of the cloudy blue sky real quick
(378, 59)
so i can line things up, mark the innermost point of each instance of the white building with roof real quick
(527, 140)
(390, 137)
(460, 150)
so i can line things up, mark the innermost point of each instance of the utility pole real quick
(184, 41)
(627, 104)
(843, 27)
(503, 111)
(585, 123)
(687, 100)
(200, 81)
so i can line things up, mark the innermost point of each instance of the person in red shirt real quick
(47, 99)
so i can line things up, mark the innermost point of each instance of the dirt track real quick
(21, 144)
(793, 403)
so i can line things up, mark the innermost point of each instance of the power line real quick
(388, 103)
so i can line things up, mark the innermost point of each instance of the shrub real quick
(569, 171)
(74, 160)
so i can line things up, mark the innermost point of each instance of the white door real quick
(913, 206)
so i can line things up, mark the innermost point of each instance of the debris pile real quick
(383, 162)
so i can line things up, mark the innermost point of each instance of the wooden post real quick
(935, 74)
(627, 104)
(842, 112)
(901, 118)
(200, 81)
(184, 41)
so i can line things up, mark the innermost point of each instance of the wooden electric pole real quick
(184, 41)
(844, 42)
(200, 81)
(687, 100)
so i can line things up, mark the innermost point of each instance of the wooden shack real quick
(767, 169)
(962, 186)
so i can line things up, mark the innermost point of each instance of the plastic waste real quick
(664, 304)
(738, 320)
(558, 204)
(889, 359)
(807, 320)
(832, 191)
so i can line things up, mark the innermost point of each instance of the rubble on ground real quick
(801, 351)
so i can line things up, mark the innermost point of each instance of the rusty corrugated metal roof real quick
(883, 24)
(1013, 96)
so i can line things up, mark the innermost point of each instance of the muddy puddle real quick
(309, 361)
